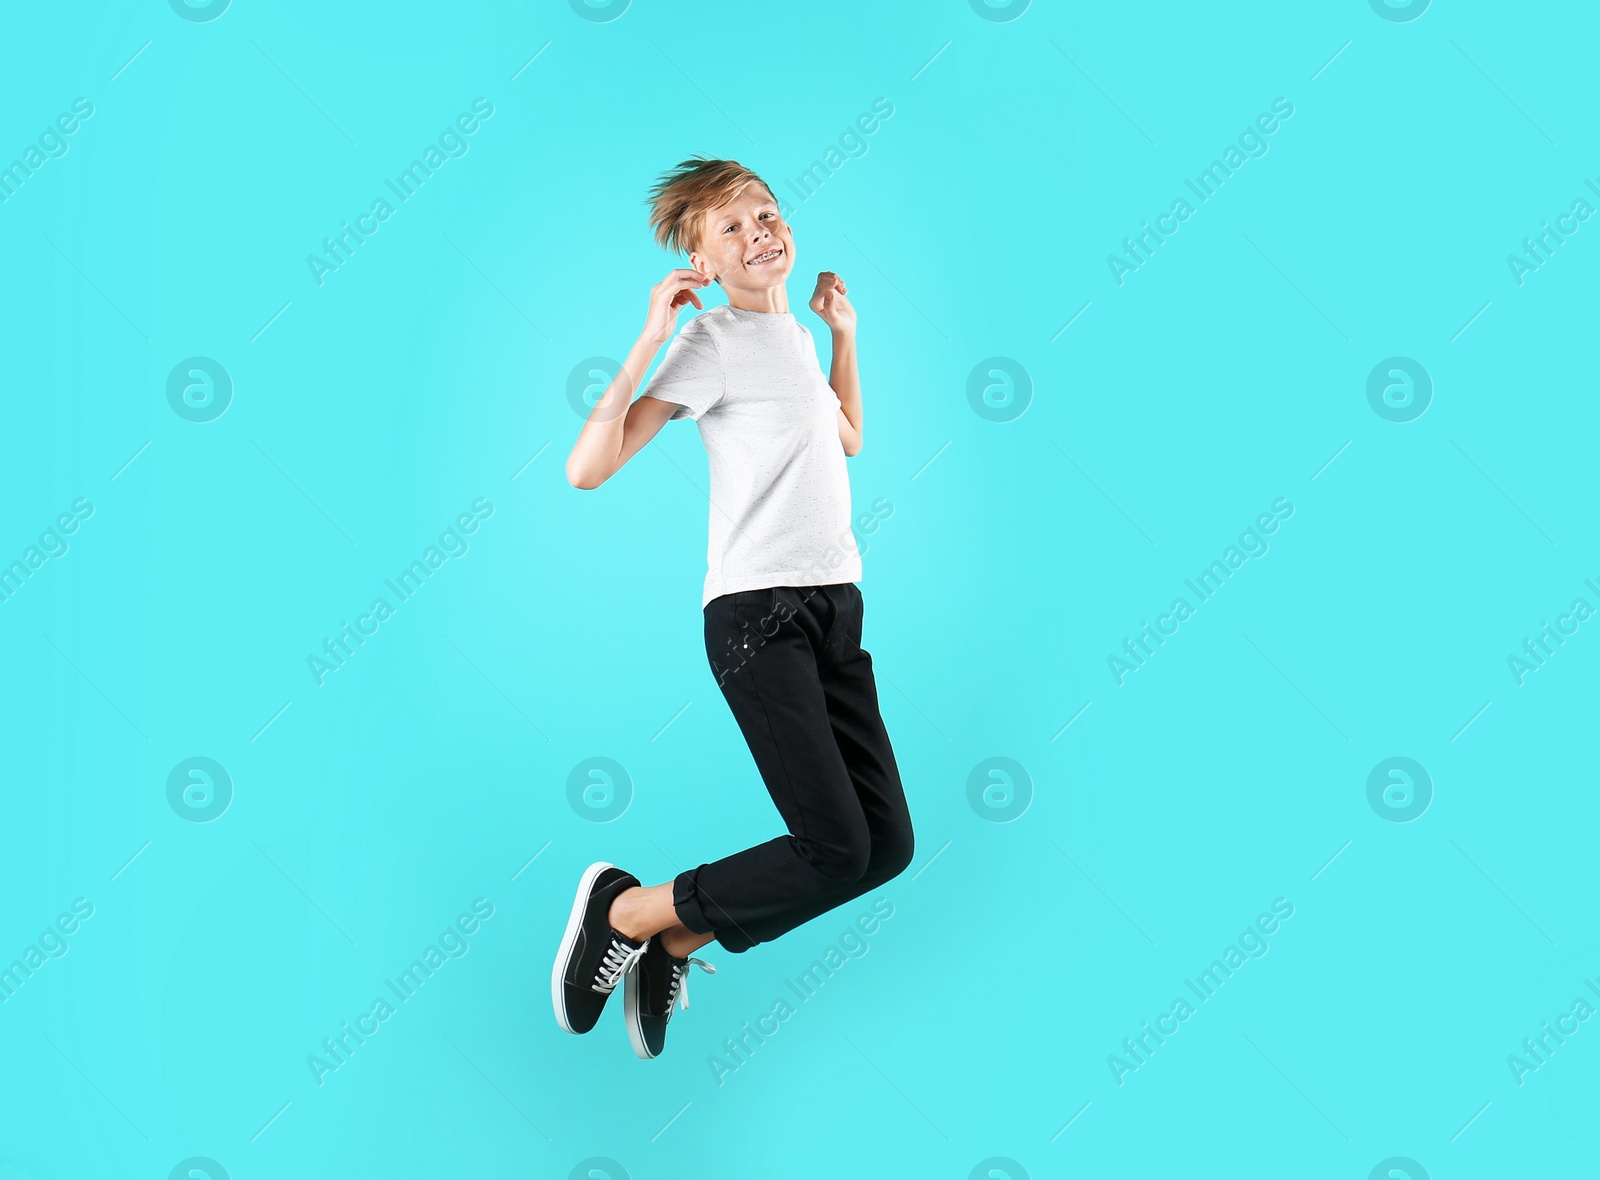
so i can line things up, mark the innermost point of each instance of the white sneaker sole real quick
(580, 903)
(630, 1015)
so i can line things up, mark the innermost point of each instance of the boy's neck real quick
(771, 300)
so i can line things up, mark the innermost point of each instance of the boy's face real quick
(739, 233)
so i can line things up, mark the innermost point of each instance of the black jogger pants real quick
(790, 664)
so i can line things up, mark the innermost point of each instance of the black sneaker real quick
(593, 957)
(653, 988)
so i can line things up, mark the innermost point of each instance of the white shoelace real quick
(618, 961)
(680, 982)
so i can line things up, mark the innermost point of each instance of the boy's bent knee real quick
(842, 863)
(891, 856)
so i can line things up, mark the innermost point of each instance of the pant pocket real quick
(857, 605)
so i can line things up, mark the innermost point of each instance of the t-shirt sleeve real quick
(690, 372)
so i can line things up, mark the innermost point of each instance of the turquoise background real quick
(446, 362)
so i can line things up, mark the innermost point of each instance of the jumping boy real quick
(782, 611)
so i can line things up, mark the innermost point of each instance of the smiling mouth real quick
(763, 259)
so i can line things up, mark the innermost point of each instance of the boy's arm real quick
(830, 304)
(846, 382)
(609, 439)
(618, 426)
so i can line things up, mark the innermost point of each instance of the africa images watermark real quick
(1204, 186)
(52, 944)
(337, 649)
(1538, 1053)
(338, 1049)
(453, 144)
(852, 146)
(1252, 942)
(852, 944)
(1536, 651)
(1567, 224)
(1252, 543)
(741, 649)
(52, 544)
(53, 144)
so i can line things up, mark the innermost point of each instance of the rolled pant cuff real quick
(689, 904)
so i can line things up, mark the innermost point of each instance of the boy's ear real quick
(697, 261)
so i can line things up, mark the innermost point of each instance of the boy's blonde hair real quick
(683, 196)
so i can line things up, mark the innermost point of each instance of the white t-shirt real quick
(780, 494)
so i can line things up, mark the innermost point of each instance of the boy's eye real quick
(735, 225)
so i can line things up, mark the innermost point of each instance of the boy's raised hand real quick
(666, 297)
(830, 304)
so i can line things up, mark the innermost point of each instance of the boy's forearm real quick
(845, 379)
(600, 441)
